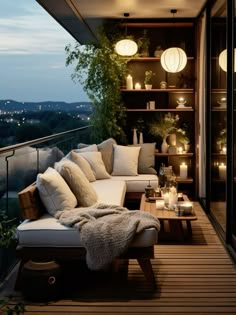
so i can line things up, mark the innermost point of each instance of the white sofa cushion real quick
(85, 194)
(110, 192)
(125, 160)
(138, 183)
(48, 232)
(54, 192)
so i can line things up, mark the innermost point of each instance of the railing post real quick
(7, 178)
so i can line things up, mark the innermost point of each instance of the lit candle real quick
(180, 150)
(183, 170)
(166, 197)
(186, 207)
(222, 171)
(129, 82)
(137, 86)
(224, 150)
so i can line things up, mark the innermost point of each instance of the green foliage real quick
(165, 125)
(143, 42)
(28, 132)
(148, 76)
(7, 231)
(6, 308)
(101, 72)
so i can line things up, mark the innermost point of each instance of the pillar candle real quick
(137, 86)
(222, 171)
(183, 170)
(129, 82)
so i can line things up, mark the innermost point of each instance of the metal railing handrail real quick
(40, 140)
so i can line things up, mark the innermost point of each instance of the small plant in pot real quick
(148, 79)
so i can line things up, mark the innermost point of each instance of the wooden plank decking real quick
(197, 277)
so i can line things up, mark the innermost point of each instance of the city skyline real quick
(32, 55)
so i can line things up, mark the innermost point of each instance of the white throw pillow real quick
(125, 160)
(83, 164)
(54, 192)
(96, 163)
(84, 192)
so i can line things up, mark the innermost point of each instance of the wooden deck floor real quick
(197, 277)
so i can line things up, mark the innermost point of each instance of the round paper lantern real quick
(173, 59)
(126, 47)
(223, 60)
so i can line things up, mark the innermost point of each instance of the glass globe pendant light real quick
(173, 59)
(223, 60)
(126, 47)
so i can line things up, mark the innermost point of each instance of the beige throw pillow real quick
(125, 160)
(83, 164)
(96, 163)
(106, 148)
(54, 192)
(85, 194)
(146, 160)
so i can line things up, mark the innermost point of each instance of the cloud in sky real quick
(32, 55)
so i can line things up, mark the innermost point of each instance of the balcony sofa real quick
(113, 173)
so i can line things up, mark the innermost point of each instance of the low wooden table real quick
(172, 226)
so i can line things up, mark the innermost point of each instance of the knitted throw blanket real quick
(106, 230)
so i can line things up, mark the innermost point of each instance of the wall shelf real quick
(187, 154)
(160, 110)
(159, 90)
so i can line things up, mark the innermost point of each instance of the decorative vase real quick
(140, 138)
(135, 138)
(172, 139)
(186, 147)
(164, 146)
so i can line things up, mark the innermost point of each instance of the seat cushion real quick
(48, 232)
(137, 183)
(109, 191)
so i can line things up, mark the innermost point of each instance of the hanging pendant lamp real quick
(126, 47)
(223, 60)
(173, 59)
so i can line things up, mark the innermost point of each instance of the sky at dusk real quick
(32, 55)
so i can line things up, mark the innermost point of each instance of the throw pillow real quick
(87, 148)
(54, 192)
(146, 160)
(106, 148)
(125, 160)
(96, 163)
(83, 164)
(84, 192)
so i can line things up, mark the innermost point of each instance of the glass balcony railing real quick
(19, 166)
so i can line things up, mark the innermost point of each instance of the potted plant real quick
(163, 128)
(148, 79)
(143, 44)
(183, 138)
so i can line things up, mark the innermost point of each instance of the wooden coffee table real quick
(172, 226)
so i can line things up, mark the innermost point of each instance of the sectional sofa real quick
(109, 173)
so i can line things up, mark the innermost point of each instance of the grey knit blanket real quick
(106, 231)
